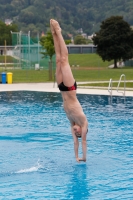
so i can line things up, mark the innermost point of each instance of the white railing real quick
(123, 92)
(110, 87)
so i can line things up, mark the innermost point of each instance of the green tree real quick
(48, 46)
(79, 40)
(68, 41)
(5, 33)
(114, 40)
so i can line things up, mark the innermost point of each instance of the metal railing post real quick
(110, 87)
(123, 75)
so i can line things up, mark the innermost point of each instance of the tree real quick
(114, 40)
(5, 33)
(79, 40)
(68, 41)
(48, 45)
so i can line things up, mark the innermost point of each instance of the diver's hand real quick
(80, 159)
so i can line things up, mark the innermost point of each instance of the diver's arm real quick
(76, 144)
(84, 143)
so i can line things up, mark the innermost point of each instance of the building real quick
(81, 49)
(8, 21)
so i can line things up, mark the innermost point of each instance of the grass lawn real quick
(88, 60)
(83, 60)
(29, 76)
(114, 84)
(102, 75)
(9, 59)
(91, 68)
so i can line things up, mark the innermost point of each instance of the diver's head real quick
(77, 130)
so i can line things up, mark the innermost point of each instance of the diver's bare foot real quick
(51, 27)
(55, 26)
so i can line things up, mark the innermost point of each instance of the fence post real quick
(50, 70)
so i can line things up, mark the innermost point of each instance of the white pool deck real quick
(50, 87)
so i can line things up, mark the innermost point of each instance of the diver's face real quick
(77, 130)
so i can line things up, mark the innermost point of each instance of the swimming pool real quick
(36, 148)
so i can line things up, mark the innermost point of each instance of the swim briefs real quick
(62, 87)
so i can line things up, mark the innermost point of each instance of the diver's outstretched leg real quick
(67, 75)
(58, 55)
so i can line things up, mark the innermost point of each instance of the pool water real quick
(36, 148)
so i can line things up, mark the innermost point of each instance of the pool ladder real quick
(110, 86)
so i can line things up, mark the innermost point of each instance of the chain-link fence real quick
(27, 57)
(26, 53)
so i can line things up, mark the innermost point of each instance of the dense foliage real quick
(5, 33)
(73, 15)
(79, 40)
(49, 50)
(114, 40)
(48, 45)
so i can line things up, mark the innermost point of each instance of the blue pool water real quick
(36, 148)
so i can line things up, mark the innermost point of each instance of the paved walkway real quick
(50, 87)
